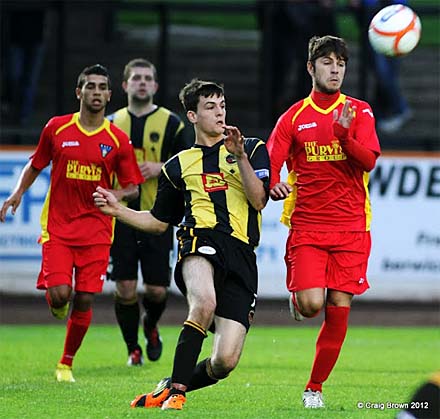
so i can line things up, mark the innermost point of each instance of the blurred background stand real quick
(231, 42)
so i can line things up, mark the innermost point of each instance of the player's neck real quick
(138, 110)
(324, 100)
(207, 140)
(91, 121)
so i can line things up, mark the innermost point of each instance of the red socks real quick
(77, 327)
(328, 345)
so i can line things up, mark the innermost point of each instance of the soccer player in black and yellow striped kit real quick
(156, 134)
(215, 192)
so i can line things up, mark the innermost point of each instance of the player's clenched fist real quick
(105, 201)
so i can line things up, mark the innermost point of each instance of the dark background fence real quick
(81, 33)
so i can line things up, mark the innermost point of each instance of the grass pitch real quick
(377, 365)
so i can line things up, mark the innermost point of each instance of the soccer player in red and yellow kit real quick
(86, 151)
(329, 144)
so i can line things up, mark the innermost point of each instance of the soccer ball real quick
(395, 30)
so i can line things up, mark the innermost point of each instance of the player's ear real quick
(310, 68)
(192, 117)
(78, 93)
(109, 95)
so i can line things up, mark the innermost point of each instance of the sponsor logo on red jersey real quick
(326, 152)
(307, 126)
(70, 144)
(76, 170)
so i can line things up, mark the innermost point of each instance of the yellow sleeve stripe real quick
(166, 174)
(306, 103)
(258, 145)
(194, 243)
(367, 207)
(109, 131)
(75, 118)
(290, 202)
(44, 217)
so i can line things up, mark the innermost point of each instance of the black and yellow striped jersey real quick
(203, 186)
(155, 137)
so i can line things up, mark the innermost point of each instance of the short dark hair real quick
(138, 62)
(98, 69)
(191, 92)
(322, 46)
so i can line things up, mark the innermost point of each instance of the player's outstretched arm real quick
(26, 179)
(127, 194)
(141, 220)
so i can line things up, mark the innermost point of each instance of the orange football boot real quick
(156, 397)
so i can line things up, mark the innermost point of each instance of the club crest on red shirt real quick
(105, 149)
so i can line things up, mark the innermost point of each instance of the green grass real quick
(376, 365)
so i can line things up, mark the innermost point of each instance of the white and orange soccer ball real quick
(395, 30)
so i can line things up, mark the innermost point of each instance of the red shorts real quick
(335, 260)
(87, 264)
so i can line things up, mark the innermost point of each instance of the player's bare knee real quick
(59, 296)
(202, 313)
(222, 366)
(310, 308)
(339, 299)
(204, 309)
(58, 302)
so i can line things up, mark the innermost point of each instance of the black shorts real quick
(131, 247)
(235, 271)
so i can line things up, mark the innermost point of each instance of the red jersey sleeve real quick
(364, 130)
(43, 154)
